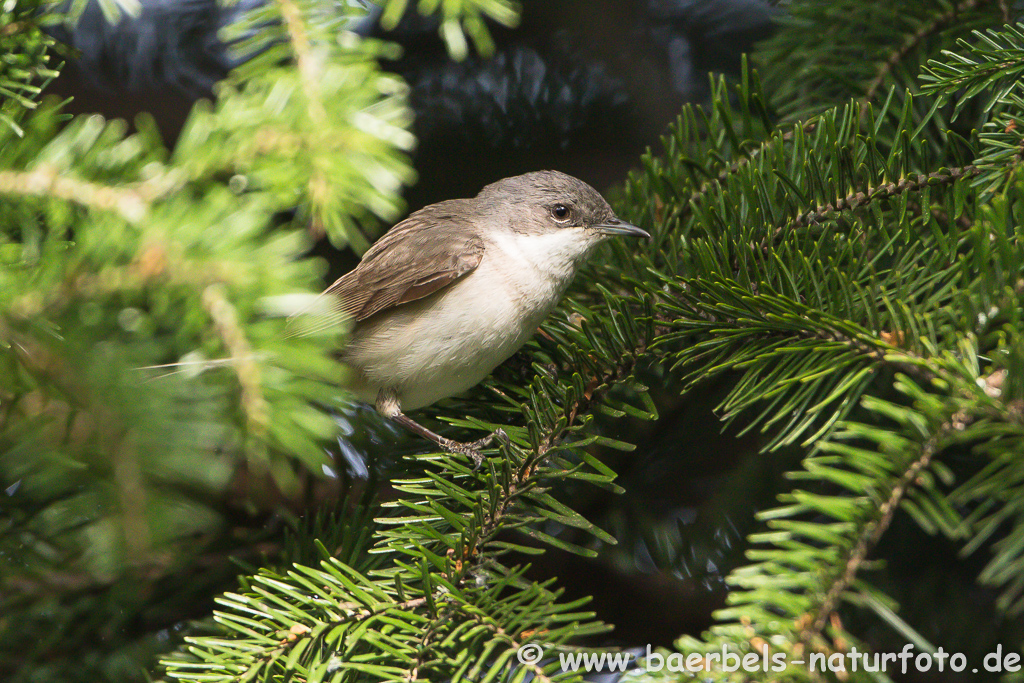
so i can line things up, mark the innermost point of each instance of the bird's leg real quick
(389, 406)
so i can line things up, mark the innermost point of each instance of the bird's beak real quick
(616, 227)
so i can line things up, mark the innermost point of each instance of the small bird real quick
(455, 289)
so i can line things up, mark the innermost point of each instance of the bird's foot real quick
(472, 448)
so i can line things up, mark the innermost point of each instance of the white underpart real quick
(446, 343)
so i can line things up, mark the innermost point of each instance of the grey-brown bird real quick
(455, 289)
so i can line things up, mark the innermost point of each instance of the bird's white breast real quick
(446, 343)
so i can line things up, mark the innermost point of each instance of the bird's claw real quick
(501, 436)
(472, 448)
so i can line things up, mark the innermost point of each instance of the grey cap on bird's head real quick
(569, 201)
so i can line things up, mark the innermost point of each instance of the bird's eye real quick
(561, 212)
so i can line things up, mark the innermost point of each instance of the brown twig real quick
(886, 191)
(871, 533)
(309, 71)
(131, 201)
(246, 368)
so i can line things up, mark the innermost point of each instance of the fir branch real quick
(459, 17)
(891, 354)
(130, 201)
(354, 614)
(570, 417)
(914, 40)
(247, 370)
(151, 265)
(602, 382)
(860, 47)
(694, 128)
(414, 671)
(871, 533)
(887, 191)
(865, 101)
(714, 184)
(309, 71)
(25, 69)
(988, 68)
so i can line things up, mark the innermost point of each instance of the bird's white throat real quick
(538, 267)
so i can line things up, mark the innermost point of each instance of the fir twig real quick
(247, 370)
(871, 533)
(131, 202)
(913, 41)
(882, 192)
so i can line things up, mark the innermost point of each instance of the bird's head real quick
(546, 202)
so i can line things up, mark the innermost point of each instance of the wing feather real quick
(423, 254)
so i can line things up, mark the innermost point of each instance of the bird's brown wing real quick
(426, 252)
